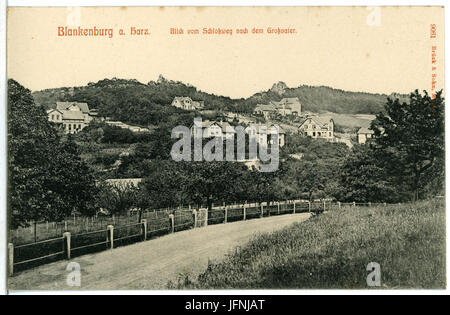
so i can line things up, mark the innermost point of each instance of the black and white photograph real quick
(225, 148)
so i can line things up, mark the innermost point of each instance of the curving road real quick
(151, 265)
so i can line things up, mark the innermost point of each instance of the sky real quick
(374, 50)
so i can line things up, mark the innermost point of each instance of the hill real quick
(322, 98)
(134, 102)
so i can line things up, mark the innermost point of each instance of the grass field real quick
(332, 250)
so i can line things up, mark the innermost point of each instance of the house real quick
(364, 134)
(285, 107)
(55, 116)
(126, 126)
(214, 129)
(265, 109)
(185, 102)
(265, 133)
(289, 106)
(72, 116)
(318, 128)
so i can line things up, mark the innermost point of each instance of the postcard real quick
(237, 148)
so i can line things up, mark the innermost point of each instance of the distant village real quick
(75, 116)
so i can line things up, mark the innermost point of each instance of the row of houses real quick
(75, 116)
(263, 133)
(314, 127)
(285, 107)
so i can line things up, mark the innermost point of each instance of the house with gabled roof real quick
(364, 134)
(185, 102)
(72, 116)
(76, 106)
(264, 133)
(287, 106)
(318, 128)
(214, 129)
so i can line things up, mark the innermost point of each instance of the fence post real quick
(206, 217)
(370, 204)
(309, 206)
(172, 222)
(278, 208)
(324, 205)
(110, 235)
(226, 215)
(144, 222)
(66, 236)
(194, 213)
(339, 204)
(245, 212)
(385, 204)
(11, 258)
(354, 204)
(262, 210)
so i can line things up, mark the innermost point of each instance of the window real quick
(314, 134)
(329, 134)
(53, 117)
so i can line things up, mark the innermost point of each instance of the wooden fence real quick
(153, 224)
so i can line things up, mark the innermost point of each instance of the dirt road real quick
(152, 264)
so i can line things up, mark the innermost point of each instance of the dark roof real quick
(365, 130)
(65, 105)
(322, 121)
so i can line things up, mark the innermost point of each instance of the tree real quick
(140, 199)
(309, 177)
(214, 181)
(47, 179)
(165, 184)
(363, 179)
(115, 199)
(411, 137)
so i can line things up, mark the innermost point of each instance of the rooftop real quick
(65, 105)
